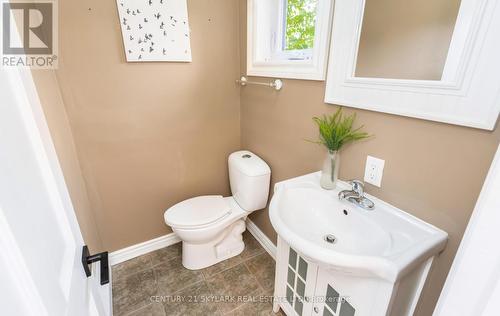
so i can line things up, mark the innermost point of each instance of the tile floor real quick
(156, 284)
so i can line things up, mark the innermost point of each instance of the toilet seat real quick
(198, 212)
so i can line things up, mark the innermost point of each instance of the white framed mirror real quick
(431, 59)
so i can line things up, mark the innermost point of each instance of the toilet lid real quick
(197, 211)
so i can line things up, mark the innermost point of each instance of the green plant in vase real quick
(335, 131)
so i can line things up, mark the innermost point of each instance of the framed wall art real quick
(155, 30)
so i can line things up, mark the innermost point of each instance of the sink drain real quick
(330, 239)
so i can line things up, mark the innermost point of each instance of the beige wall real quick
(62, 136)
(149, 135)
(434, 171)
(406, 39)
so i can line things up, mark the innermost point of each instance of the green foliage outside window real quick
(300, 24)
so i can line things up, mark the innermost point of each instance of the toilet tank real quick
(250, 177)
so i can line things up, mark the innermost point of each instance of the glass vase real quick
(330, 172)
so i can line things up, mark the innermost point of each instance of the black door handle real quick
(87, 261)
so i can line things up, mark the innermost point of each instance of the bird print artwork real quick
(155, 30)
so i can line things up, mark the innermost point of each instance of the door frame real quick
(473, 284)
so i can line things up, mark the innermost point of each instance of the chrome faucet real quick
(357, 195)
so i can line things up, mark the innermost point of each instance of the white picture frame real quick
(155, 30)
(468, 93)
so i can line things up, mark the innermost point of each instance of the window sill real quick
(304, 69)
(284, 74)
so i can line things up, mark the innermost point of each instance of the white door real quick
(40, 242)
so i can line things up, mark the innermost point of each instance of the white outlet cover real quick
(374, 169)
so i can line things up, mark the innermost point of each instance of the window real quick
(300, 23)
(288, 38)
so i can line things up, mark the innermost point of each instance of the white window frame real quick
(468, 93)
(264, 57)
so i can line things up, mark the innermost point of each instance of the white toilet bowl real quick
(210, 239)
(211, 226)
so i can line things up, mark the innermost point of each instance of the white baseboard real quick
(265, 242)
(137, 250)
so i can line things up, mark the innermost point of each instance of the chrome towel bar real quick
(276, 84)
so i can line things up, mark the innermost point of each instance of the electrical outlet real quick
(374, 170)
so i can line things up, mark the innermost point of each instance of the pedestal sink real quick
(375, 262)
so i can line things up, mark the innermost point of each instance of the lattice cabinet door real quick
(340, 293)
(330, 300)
(296, 278)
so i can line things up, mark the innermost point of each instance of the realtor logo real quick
(29, 34)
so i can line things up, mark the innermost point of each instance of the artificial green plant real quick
(336, 130)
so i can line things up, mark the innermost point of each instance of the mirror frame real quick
(468, 93)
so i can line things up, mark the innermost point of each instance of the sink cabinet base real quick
(303, 287)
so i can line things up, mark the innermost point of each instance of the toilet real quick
(211, 226)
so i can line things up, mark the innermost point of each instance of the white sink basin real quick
(385, 242)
